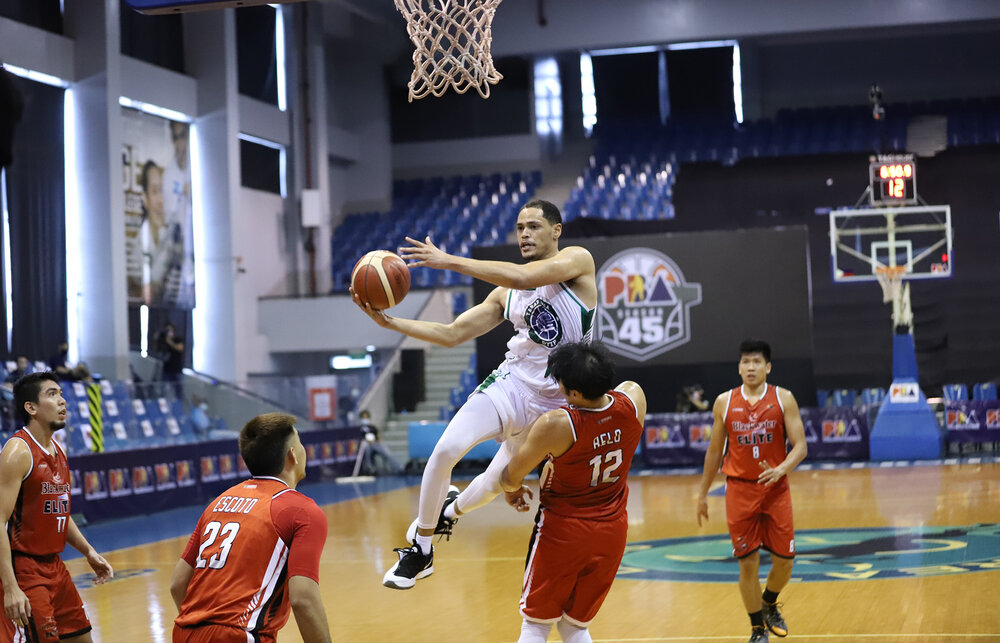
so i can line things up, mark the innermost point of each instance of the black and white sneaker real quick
(445, 525)
(773, 619)
(412, 565)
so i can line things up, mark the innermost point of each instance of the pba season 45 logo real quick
(645, 304)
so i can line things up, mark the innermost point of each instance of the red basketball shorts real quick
(760, 516)
(211, 633)
(56, 607)
(572, 563)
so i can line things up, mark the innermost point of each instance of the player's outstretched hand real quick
(101, 567)
(516, 499)
(377, 316)
(702, 510)
(16, 606)
(770, 474)
(423, 253)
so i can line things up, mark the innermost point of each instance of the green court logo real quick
(826, 555)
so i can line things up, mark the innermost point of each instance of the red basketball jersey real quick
(241, 559)
(754, 433)
(37, 526)
(588, 481)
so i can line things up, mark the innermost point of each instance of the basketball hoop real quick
(895, 291)
(452, 40)
(891, 280)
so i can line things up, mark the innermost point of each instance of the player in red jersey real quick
(580, 530)
(752, 423)
(256, 549)
(39, 599)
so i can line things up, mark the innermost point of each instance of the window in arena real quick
(587, 90)
(548, 98)
(262, 165)
(257, 59)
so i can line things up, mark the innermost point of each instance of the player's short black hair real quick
(264, 443)
(583, 367)
(549, 210)
(27, 388)
(756, 346)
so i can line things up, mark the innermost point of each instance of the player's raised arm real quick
(476, 321)
(713, 455)
(568, 264)
(638, 397)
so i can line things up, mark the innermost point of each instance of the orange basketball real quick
(381, 278)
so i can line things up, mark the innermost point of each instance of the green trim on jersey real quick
(506, 308)
(586, 314)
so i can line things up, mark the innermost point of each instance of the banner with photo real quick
(156, 177)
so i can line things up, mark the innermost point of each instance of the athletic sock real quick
(756, 619)
(449, 511)
(769, 597)
(424, 542)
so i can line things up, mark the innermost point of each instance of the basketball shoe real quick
(759, 635)
(773, 619)
(412, 565)
(445, 525)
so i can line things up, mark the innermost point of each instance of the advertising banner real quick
(972, 421)
(681, 439)
(156, 178)
(143, 481)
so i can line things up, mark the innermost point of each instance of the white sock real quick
(424, 542)
(449, 511)
(573, 634)
(534, 632)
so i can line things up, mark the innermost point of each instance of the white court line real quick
(803, 637)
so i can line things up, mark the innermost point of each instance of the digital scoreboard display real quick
(893, 179)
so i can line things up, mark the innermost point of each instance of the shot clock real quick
(893, 179)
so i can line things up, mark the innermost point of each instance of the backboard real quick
(917, 238)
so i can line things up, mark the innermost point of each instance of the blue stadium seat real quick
(955, 392)
(822, 397)
(984, 391)
(845, 397)
(872, 396)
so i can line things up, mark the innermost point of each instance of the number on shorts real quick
(212, 531)
(595, 462)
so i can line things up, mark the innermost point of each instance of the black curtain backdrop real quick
(158, 40)
(627, 86)
(37, 207)
(701, 83)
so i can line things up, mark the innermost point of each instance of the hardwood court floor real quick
(473, 594)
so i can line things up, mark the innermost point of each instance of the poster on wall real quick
(156, 177)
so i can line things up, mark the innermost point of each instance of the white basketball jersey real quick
(543, 318)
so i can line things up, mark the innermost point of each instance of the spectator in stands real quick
(374, 446)
(23, 368)
(64, 370)
(199, 416)
(170, 346)
(691, 399)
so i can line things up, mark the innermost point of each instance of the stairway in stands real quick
(442, 372)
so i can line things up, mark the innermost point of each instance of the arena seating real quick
(634, 167)
(134, 416)
(457, 212)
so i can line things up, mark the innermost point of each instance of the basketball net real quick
(895, 291)
(452, 40)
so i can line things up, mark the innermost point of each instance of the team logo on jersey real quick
(826, 555)
(645, 304)
(543, 323)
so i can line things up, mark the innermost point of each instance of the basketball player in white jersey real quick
(550, 300)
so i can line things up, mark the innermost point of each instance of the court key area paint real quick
(826, 555)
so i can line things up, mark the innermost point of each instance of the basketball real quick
(381, 279)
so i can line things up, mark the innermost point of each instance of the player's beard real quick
(56, 425)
